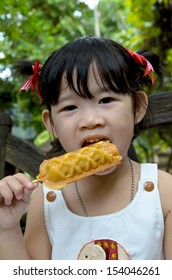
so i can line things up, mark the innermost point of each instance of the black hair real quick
(118, 71)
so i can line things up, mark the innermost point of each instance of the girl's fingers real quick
(27, 186)
(18, 186)
(1, 198)
(24, 180)
(6, 193)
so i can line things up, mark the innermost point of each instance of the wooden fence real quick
(20, 155)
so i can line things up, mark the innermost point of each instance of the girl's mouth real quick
(92, 141)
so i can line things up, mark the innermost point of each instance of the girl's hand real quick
(15, 194)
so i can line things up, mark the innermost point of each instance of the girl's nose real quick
(91, 121)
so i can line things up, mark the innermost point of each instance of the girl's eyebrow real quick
(101, 90)
(65, 97)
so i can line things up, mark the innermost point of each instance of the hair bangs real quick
(73, 61)
(112, 67)
(77, 71)
(107, 59)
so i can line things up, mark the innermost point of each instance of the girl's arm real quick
(165, 186)
(15, 194)
(36, 236)
(168, 236)
(12, 246)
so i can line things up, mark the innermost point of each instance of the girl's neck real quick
(103, 194)
(108, 179)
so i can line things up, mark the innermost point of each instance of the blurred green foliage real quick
(33, 29)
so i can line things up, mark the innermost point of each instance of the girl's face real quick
(78, 121)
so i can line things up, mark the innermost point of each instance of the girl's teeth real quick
(92, 140)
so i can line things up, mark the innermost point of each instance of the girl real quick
(93, 89)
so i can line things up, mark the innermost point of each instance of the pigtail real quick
(154, 59)
(33, 70)
(23, 67)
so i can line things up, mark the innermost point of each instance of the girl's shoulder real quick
(165, 189)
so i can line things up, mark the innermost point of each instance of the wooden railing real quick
(161, 107)
(19, 155)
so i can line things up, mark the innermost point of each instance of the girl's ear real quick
(46, 119)
(141, 106)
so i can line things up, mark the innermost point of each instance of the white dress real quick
(135, 232)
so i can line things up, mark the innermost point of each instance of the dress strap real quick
(149, 171)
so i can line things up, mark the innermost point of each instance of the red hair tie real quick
(141, 60)
(33, 80)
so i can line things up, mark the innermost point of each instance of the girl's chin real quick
(106, 171)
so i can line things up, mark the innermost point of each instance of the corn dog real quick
(62, 170)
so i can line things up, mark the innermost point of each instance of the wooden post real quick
(5, 129)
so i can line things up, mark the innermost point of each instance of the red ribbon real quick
(141, 60)
(33, 80)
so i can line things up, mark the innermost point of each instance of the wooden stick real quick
(36, 181)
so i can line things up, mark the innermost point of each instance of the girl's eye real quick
(69, 108)
(106, 100)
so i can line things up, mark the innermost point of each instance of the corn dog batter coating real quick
(78, 164)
